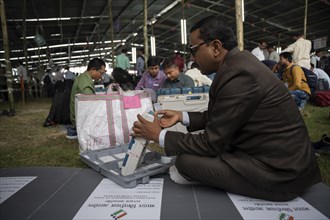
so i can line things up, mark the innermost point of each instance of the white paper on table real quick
(111, 201)
(251, 208)
(10, 185)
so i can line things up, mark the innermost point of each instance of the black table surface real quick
(58, 193)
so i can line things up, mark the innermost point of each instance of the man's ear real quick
(217, 47)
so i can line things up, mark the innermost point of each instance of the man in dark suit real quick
(255, 142)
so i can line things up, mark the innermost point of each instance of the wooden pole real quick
(305, 20)
(7, 59)
(239, 24)
(40, 70)
(25, 51)
(111, 34)
(145, 30)
(184, 45)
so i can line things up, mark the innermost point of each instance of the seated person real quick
(274, 67)
(255, 142)
(83, 84)
(321, 75)
(197, 76)
(296, 81)
(123, 78)
(153, 78)
(270, 64)
(175, 79)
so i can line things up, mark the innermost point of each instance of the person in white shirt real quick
(22, 72)
(258, 51)
(68, 75)
(316, 58)
(300, 50)
(273, 55)
(320, 74)
(197, 76)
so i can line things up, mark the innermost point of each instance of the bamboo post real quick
(305, 19)
(25, 51)
(183, 45)
(7, 59)
(239, 24)
(40, 73)
(145, 30)
(21, 81)
(111, 34)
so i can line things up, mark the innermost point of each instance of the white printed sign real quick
(256, 209)
(111, 201)
(10, 185)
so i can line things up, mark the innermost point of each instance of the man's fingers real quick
(137, 124)
(135, 135)
(136, 130)
(141, 119)
(160, 112)
(156, 117)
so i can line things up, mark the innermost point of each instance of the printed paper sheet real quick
(10, 185)
(111, 201)
(256, 209)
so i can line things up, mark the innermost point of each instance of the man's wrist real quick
(161, 138)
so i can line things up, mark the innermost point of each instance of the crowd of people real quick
(301, 72)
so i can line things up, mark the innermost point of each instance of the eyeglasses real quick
(194, 48)
(100, 71)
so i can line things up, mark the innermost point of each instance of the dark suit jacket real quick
(254, 125)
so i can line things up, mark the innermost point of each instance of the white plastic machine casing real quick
(135, 151)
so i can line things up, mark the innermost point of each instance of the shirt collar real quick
(289, 66)
(180, 77)
(157, 77)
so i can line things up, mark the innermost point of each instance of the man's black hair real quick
(124, 50)
(212, 28)
(297, 34)
(270, 46)
(287, 55)
(95, 63)
(194, 65)
(153, 61)
(168, 63)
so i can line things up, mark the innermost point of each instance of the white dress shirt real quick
(321, 74)
(185, 122)
(198, 77)
(258, 53)
(300, 51)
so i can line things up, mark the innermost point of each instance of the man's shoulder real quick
(296, 69)
(161, 74)
(167, 82)
(320, 71)
(84, 76)
(255, 49)
(185, 79)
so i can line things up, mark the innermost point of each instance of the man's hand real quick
(169, 118)
(146, 129)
